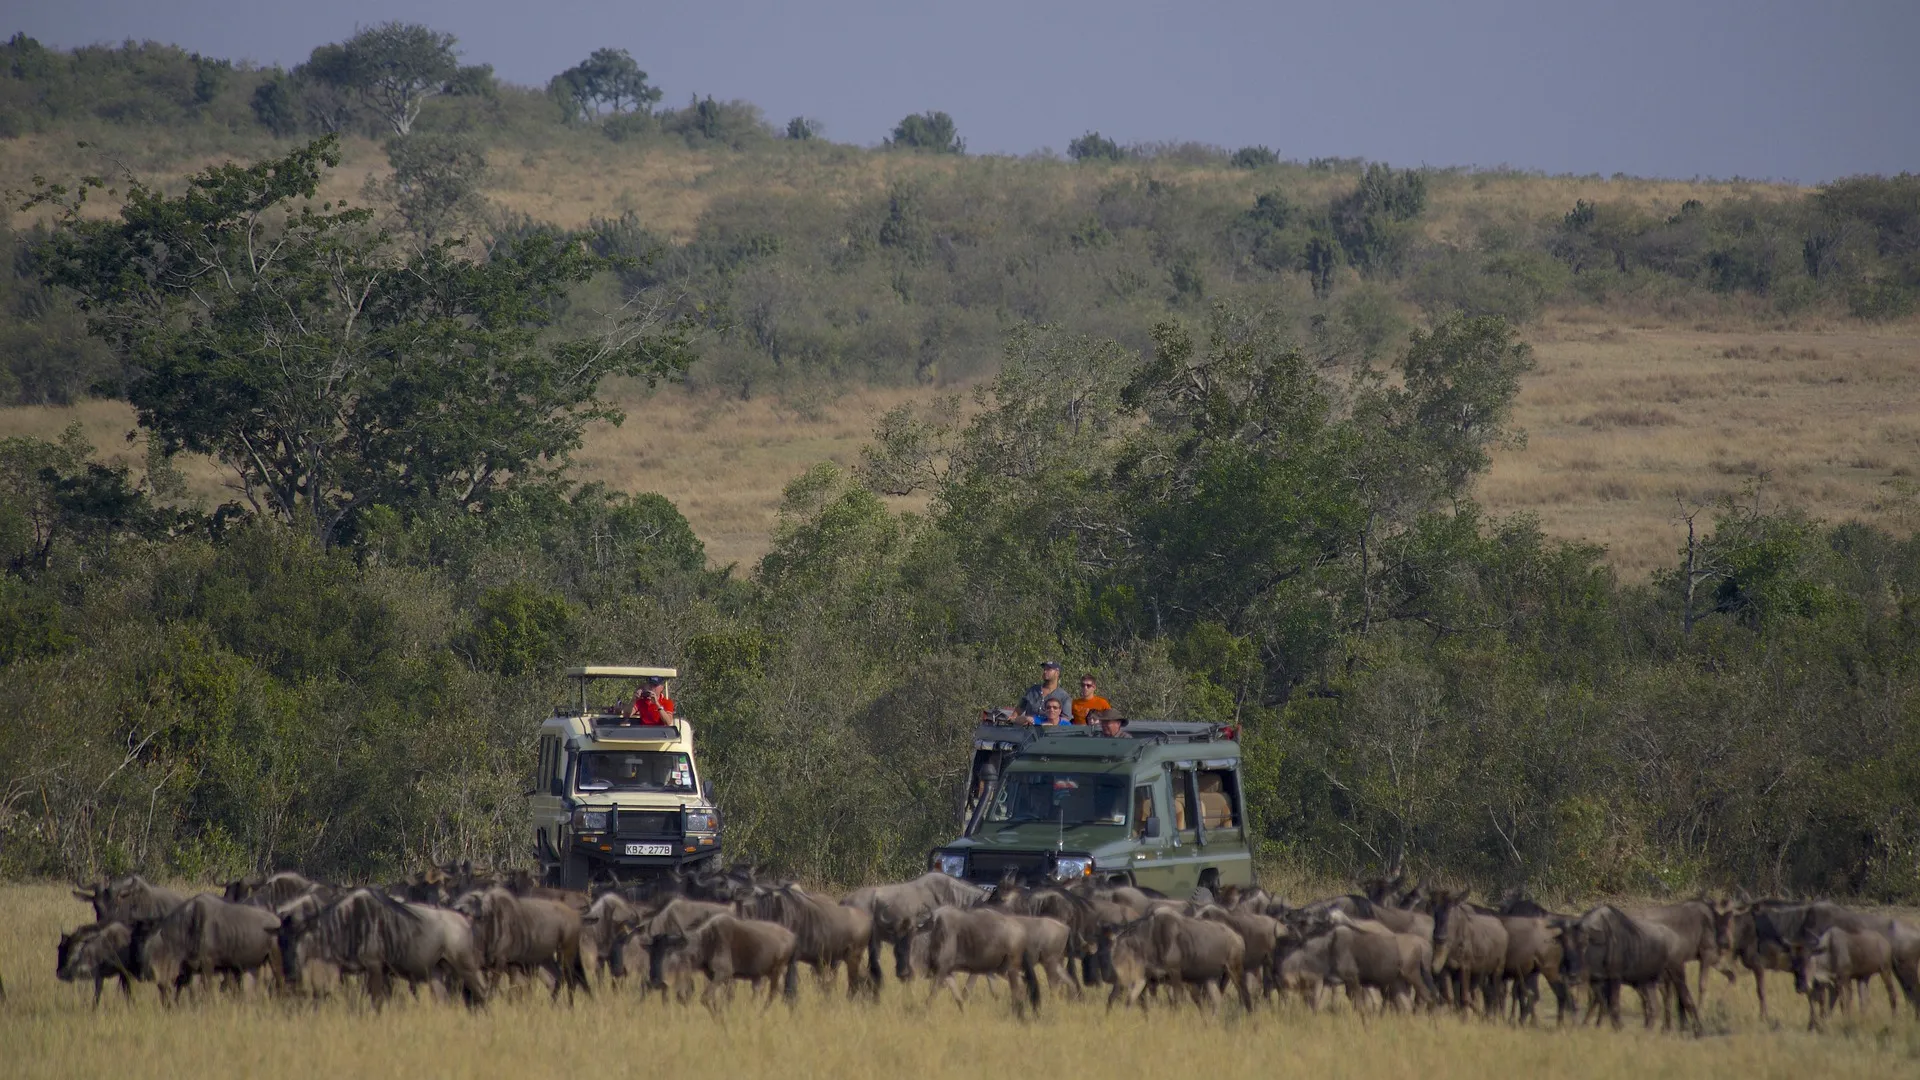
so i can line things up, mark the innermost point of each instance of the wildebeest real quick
(1369, 954)
(1618, 949)
(1761, 936)
(1261, 934)
(98, 951)
(527, 933)
(898, 910)
(1535, 949)
(1166, 946)
(1844, 961)
(604, 930)
(1695, 925)
(129, 900)
(1469, 950)
(826, 934)
(274, 890)
(368, 932)
(977, 941)
(206, 936)
(1304, 964)
(725, 948)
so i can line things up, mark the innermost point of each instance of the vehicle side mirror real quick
(530, 794)
(706, 790)
(1153, 828)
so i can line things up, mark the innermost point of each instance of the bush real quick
(1253, 157)
(1094, 146)
(930, 131)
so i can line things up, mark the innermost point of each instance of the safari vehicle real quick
(1163, 809)
(613, 798)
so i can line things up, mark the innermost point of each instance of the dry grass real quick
(48, 1030)
(574, 176)
(724, 461)
(1627, 425)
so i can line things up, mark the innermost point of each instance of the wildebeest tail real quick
(1032, 978)
(790, 989)
(873, 958)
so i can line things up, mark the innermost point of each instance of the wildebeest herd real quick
(457, 932)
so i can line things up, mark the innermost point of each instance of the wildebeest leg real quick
(1760, 989)
(1685, 1006)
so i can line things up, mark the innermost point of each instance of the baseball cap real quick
(1054, 664)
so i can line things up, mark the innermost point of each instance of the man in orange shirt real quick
(1088, 700)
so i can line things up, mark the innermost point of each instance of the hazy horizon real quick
(1710, 88)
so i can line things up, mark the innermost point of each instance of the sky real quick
(1763, 89)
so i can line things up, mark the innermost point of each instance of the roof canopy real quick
(600, 671)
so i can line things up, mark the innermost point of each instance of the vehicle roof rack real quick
(603, 671)
(1148, 731)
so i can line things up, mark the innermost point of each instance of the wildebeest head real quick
(657, 951)
(64, 955)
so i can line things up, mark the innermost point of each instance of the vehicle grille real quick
(646, 823)
(986, 867)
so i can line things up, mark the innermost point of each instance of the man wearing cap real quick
(1112, 724)
(651, 705)
(1033, 704)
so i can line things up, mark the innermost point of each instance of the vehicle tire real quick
(576, 872)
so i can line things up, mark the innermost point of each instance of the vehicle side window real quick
(558, 771)
(1220, 798)
(545, 769)
(1183, 811)
(1142, 810)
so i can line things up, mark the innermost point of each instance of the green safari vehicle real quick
(1162, 808)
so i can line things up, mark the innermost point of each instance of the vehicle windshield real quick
(633, 770)
(1064, 798)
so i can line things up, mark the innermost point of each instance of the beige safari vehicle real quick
(614, 799)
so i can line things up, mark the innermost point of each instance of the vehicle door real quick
(546, 802)
(1186, 855)
(1149, 829)
(1223, 814)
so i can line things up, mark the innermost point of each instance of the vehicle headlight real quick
(951, 863)
(702, 821)
(1070, 867)
(590, 820)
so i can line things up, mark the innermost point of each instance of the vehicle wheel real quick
(576, 872)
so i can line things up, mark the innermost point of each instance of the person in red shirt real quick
(651, 705)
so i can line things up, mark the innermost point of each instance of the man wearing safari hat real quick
(1112, 724)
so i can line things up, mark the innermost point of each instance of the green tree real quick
(933, 131)
(1374, 222)
(393, 68)
(608, 82)
(436, 181)
(329, 370)
(802, 128)
(1094, 146)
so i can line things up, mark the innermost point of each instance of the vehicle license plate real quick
(649, 849)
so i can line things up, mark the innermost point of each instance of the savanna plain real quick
(50, 1029)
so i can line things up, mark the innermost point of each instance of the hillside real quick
(1644, 400)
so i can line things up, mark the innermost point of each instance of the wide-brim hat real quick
(1101, 716)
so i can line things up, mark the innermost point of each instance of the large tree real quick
(607, 81)
(393, 68)
(329, 369)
